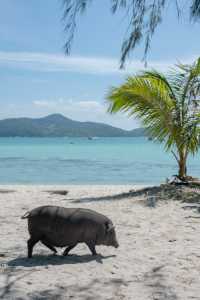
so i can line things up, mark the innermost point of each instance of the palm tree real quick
(168, 107)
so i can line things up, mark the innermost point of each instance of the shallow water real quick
(83, 161)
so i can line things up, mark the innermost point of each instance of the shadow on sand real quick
(90, 291)
(121, 196)
(43, 260)
(155, 281)
(151, 195)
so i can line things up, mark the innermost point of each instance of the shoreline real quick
(93, 187)
(136, 186)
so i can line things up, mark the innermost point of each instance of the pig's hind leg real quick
(30, 244)
(48, 245)
(66, 251)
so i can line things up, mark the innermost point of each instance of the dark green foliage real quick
(143, 17)
(57, 125)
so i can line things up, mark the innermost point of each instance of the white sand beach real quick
(158, 257)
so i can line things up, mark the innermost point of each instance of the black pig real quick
(58, 226)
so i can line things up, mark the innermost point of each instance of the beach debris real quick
(151, 200)
(58, 192)
(57, 226)
(2, 191)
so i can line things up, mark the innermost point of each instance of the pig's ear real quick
(109, 227)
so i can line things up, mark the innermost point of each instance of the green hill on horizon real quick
(57, 125)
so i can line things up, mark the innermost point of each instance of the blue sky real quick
(37, 79)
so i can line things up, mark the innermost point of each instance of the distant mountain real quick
(56, 125)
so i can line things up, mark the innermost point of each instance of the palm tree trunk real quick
(182, 173)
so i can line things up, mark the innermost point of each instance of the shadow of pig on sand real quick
(43, 260)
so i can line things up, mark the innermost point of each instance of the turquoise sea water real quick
(83, 161)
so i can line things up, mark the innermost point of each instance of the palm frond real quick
(150, 98)
(166, 105)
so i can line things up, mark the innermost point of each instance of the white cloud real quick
(43, 103)
(70, 105)
(47, 62)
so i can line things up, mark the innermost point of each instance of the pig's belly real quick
(62, 240)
